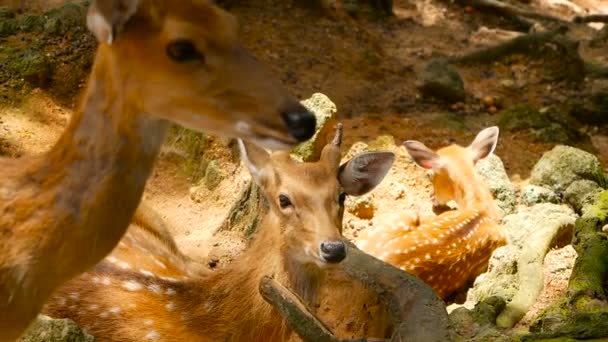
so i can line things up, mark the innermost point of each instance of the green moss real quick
(522, 116)
(66, 18)
(600, 208)
(30, 65)
(31, 23)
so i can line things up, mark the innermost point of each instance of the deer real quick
(156, 62)
(449, 250)
(144, 291)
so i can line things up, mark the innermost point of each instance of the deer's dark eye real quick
(284, 201)
(183, 51)
(342, 198)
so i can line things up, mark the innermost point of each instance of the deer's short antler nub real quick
(337, 140)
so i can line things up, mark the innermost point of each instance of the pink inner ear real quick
(425, 163)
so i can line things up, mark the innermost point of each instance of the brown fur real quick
(62, 212)
(224, 305)
(451, 249)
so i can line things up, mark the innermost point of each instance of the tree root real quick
(584, 312)
(593, 18)
(521, 44)
(416, 311)
(510, 10)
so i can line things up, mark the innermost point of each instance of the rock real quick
(31, 23)
(477, 324)
(213, 175)
(598, 207)
(592, 110)
(363, 207)
(580, 193)
(46, 329)
(561, 166)
(356, 148)
(534, 194)
(31, 65)
(66, 18)
(441, 80)
(325, 112)
(515, 270)
(493, 171)
(521, 116)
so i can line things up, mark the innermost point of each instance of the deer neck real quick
(473, 194)
(241, 304)
(93, 178)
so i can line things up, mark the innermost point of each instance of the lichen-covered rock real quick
(477, 324)
(515, 271)
(45, 329)
(561, 166)
(534, 194)
(580, 193)
(522, 116)
(493, 171)
(598, 207)
(442, 81)
(325, 113)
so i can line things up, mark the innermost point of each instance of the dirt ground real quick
(369, 70)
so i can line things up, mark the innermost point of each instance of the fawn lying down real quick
(448, 250)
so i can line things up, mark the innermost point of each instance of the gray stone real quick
(580, 193)
(325, 113)
(45, 329)
(515, 270)
(534, 194)
(441, 80)
(561, 166)
(213, 175)
(493, 172)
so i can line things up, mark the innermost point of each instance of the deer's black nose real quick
(300, 122)
(333, 251)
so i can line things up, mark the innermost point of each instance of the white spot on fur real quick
(170, 306)
(146, 273)
(124, 265)
(155, 288)
(112, 259)
(160, 263)
(115, 310)
(152, 335)
(106, 281)
(93, 307)
(74, 295)
(132, 286)
(170, 292)
(148, 322)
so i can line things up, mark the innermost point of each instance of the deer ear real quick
(364, 172)
(107, 17)
(255, 158)
(484, 143)
(422, 155)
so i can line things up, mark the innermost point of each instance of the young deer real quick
(62, 212)
(454, 247)
(143, 291)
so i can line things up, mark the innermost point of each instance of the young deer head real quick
(307, 200)
(182, 61)
(452, 248)
(452, 168)
(145, 290)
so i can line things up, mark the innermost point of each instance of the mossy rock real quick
(31, 65)
(66, 18)
(45, 329)
(522, 116)
(7, 13)
(561, 166)
(8, 27)
(31, 23)
(441, 80)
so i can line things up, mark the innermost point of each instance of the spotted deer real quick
(157, 61)
(144, 291)
(448, 250)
